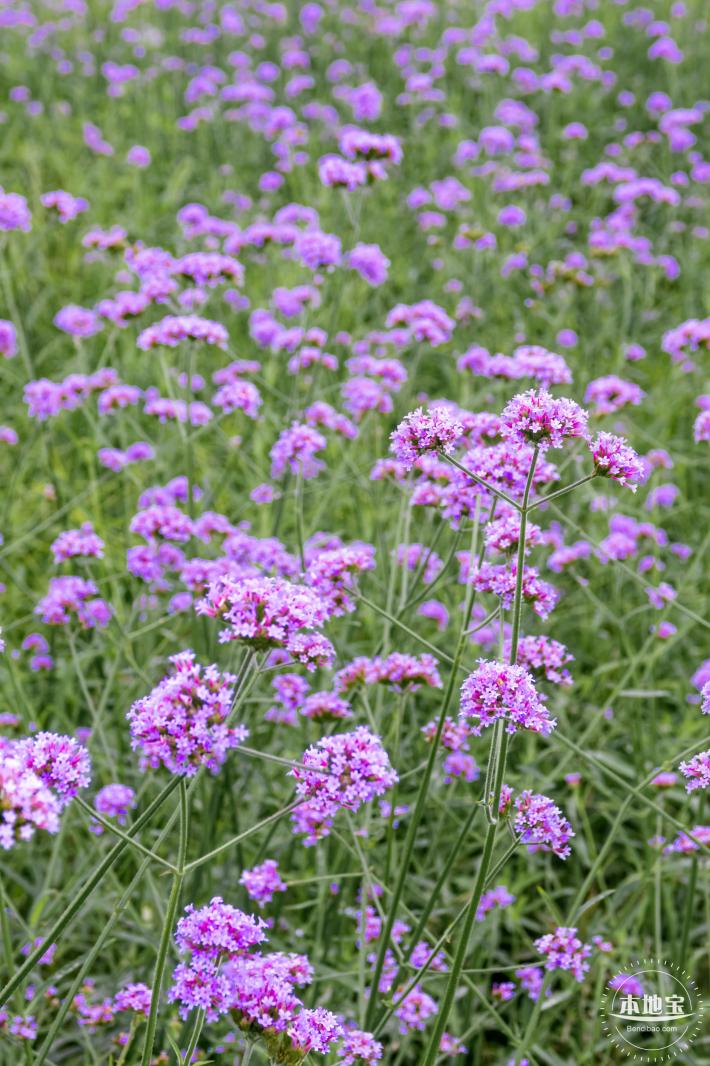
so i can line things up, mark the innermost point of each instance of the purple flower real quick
(611, 394)
(295, 450)
(218, 930)
(74, 543)
(8, 339)
(545, 659)
(496, 690)
(494, 897)
(69, 596)
(541, 419)
(26, 802)
(182, 723)
(424, 431)
(113, 801)
(342, 772)
(60, 762)
(541, 825)
(565, 951)
(370, 262)
(263, 881)
(696, 771)
(14, 213)
(314, 1030)
(79, 321)
(172, 330)
(615, 459)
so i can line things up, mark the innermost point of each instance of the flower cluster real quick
(563, 950)
(266, 613)
(183, 723)
(339, 772)
(496, 690)
(541, 825)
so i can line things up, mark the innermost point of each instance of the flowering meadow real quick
(354, 437)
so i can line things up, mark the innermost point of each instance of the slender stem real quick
(689, 901)
(420, 803)
(194, 1037)
(242, 836)
(481, 481)
(562, 492)
(168, 923)
(498, 758)
(83, 894)
(95, 816)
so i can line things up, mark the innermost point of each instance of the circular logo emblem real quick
(653, 1011)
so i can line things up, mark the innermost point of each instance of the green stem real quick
(420, 803)
(166, 934)
(195, 1036)
(83, 894)
(562, 492)
(498, 757)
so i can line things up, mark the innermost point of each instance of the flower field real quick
(354, 431)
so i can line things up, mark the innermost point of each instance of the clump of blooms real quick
(538, 418)
(14, 212)
(67, 206)
(545, 658)
(503, 534)
(341, 772)
(78, 321)
(541, 825)
(500, 580)
(696, 771)
(565, 951)
(73, 543)
(325, 706)
(494, 897)
(217, 931)
(113, 801)
(174, 329)
(405, 672)
(73, 596)
(614, 458)
(295, 450)
(423, 431)
(266, 613)
(183, 723)
(496, 690)
(263, 881)
(333, 575)
(609, 394)
(26, 803)
(60, 762)
(39, 776)
(8, 339)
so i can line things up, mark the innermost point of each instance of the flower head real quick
(182, 723)
(496, 690)
(536, 417)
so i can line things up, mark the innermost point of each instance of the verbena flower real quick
(541, 825)
(496, 690)
(565, 951)
(182, 723)
(696, 771)
(537, 418)
(263, 881)
(266, 613)
(424, 431)
(341, 772)
(614, 458)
